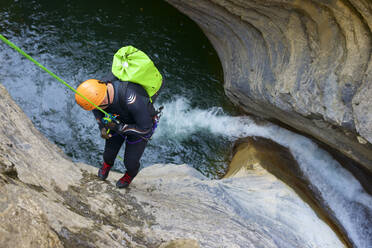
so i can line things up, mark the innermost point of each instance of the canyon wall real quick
(304, 63)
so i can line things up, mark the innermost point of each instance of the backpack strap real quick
(153, 98)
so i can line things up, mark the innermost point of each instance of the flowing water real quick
(77, 39)
(341, 193)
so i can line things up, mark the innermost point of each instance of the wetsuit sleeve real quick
(137, 105)
(98, 115)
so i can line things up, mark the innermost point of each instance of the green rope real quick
(55, 76)
(50, 73)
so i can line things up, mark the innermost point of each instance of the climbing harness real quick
(156, 119)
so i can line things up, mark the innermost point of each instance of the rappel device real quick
(108, 119)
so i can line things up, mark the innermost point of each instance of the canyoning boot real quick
(104, 171)
(124, 181)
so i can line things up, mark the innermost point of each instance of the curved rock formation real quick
(306, 63)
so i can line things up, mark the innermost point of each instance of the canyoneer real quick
(127, 94)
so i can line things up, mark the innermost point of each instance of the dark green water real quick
(77, 39)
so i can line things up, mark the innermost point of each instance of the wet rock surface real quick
(259, 155)
(304, 63)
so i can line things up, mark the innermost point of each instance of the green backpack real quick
(133, 65)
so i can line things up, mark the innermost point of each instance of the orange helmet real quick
(92, 89)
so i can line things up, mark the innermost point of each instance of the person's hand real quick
(104, 134)
(112, 125)
(117, 127)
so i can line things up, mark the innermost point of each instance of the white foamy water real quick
(340, 191)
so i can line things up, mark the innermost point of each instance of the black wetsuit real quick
(132, 106)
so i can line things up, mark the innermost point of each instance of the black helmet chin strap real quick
(108, 97)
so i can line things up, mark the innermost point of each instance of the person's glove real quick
(117, 127)
(104, 134)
